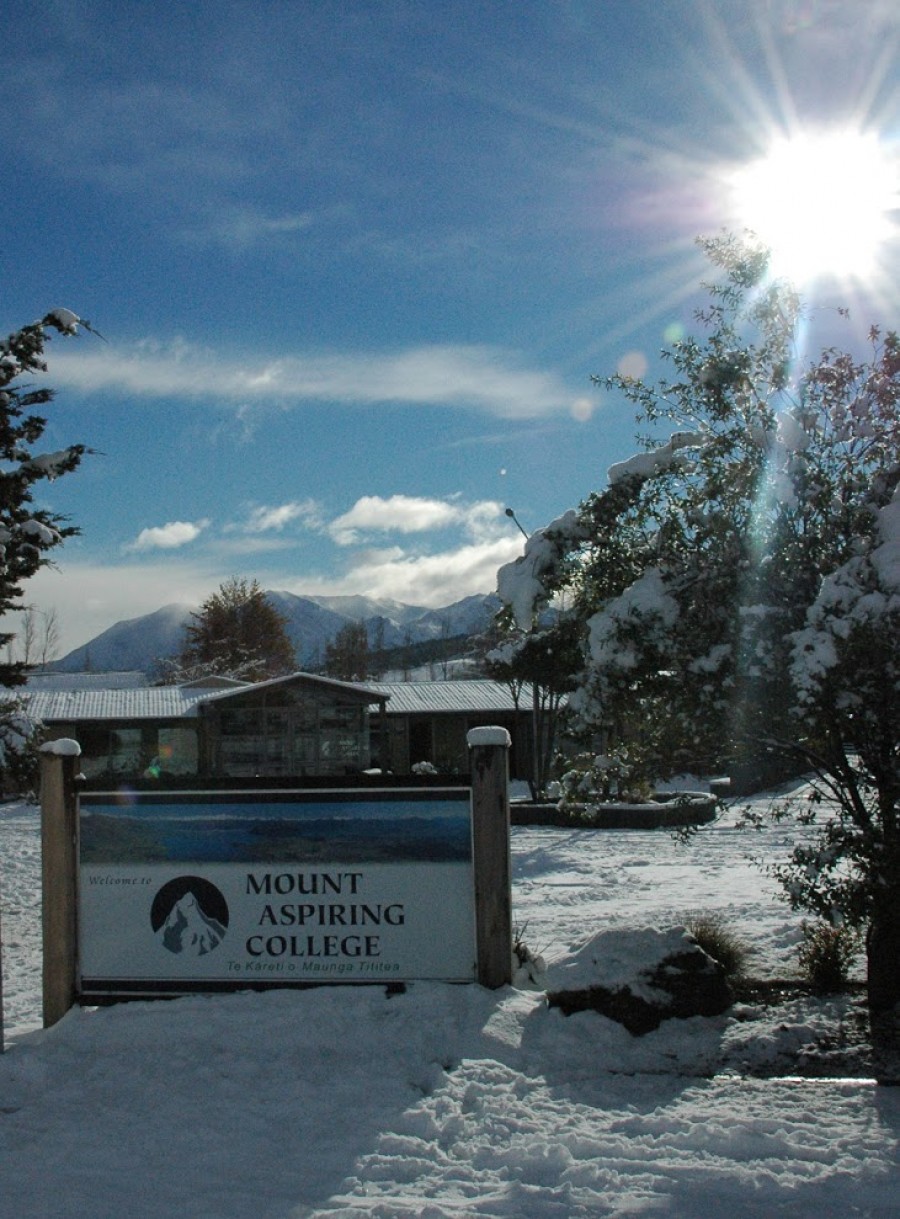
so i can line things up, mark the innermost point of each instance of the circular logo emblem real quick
(189, 916)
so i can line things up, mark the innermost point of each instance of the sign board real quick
(185, 891)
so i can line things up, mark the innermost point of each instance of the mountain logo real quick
(189, 916)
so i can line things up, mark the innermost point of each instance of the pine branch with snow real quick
(28, 533)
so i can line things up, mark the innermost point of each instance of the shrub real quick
(718, 941)
(594, 780)
(528, 968)
(826, 956)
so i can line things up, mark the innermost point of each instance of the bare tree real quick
(36, 643)
(48, 648)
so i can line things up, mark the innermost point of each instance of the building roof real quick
(357, 691)
(130, 680)
(150, 703)
(474, 697)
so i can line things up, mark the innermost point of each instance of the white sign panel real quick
(222, 890)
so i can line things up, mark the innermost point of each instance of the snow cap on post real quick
(63, 748)
(487, 736)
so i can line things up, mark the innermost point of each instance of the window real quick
(177, 751)
(294, 737)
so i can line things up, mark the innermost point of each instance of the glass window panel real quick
(177, 751)
(126, 750)
(241, 721)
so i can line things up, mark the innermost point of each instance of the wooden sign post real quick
(1, 986)
(140, 922)
(59, 867)
(493, 877)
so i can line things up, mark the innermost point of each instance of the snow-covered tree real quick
(237, 632)
(28, 534)
(737, 585)
(545, 659)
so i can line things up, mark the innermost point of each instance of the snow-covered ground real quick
(446, 1100)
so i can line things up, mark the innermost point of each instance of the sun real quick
(824, 203)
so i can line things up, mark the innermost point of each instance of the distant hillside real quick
(312, 623)
(133, 644)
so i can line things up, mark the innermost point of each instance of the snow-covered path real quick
(445, 1100)
(20, 914)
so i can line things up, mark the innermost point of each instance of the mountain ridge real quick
(311, 624)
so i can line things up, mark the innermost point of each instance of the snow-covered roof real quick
(477, 697)
(130, 680)
(166, 702)
(460, 697)
(149, 703)
(353, 689)
(214, 682)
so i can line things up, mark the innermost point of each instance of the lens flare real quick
(822, 202)
(633, 365)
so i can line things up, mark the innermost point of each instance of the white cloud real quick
(241, 546)
(242, 228)
(263, 519)
(432, 580)
(399, 513)
(91, 597)
(409, 514)
(169, 536)
(478, 378)
(485, 520)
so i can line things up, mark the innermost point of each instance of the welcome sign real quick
(224, 890)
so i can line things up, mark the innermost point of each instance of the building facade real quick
(292, 727)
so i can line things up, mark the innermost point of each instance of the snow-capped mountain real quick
(312, 623)
(188, 930)
(134, 643)
(360, 607)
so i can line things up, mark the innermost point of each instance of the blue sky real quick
(354, 264)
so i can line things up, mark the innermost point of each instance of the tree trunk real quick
(883, 965)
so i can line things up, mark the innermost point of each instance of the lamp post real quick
(535, 701)
(512, 516)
